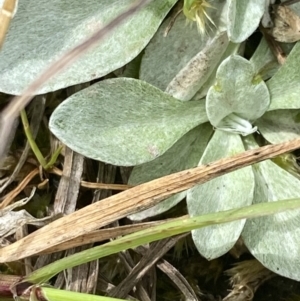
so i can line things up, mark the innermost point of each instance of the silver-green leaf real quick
(184, 154)
(285, 84)
(239, 96)
(232, 190)
(43, 30)
(280, 125)
(243, 18)
(168, 53)
(124, 121)
(264, 61)
(274, 240)
(191, 78)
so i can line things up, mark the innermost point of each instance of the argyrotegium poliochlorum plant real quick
(130, 121)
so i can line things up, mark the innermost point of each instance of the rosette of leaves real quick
(170, 135)
(132, 122)
(273, 241)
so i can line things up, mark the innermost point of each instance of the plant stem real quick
(34, 146)
(31, 141)
(163, 230)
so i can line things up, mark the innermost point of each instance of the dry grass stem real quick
(134, 200)
(95, 185)
(6, 14)
(11, 195)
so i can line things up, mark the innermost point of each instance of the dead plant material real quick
(105, 186)
(95, 185)
(11, 195)
(6, 281)
(274, 46)
(11, 221)
(6, 14)
(155, 252)
(179, 280)
(83, 278)
(176, 11)
(142, 290)
(69, 184)
(134, 200)
(246, 277)
(38, 108)
(238, 249)
(289, 2)
(286, 25)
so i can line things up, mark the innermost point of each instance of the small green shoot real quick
(34, 146)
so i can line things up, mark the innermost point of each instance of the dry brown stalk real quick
(11, 195)
(6, 14)
(95, 185)
(134, 200)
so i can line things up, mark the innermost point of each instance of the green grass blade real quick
(161, 231)
(31, 140)
(52, 294)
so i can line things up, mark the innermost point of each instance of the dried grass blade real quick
(133, 200)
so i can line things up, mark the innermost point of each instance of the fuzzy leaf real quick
(42, 31)
(239, 96)
(233, 190)
(243, 18)
(124, 121)
(184, 154)
(285, 84)
(280, 125)
(264, 61)
(167, 54)
(274, 240)
(231, 49)
(197, 71)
